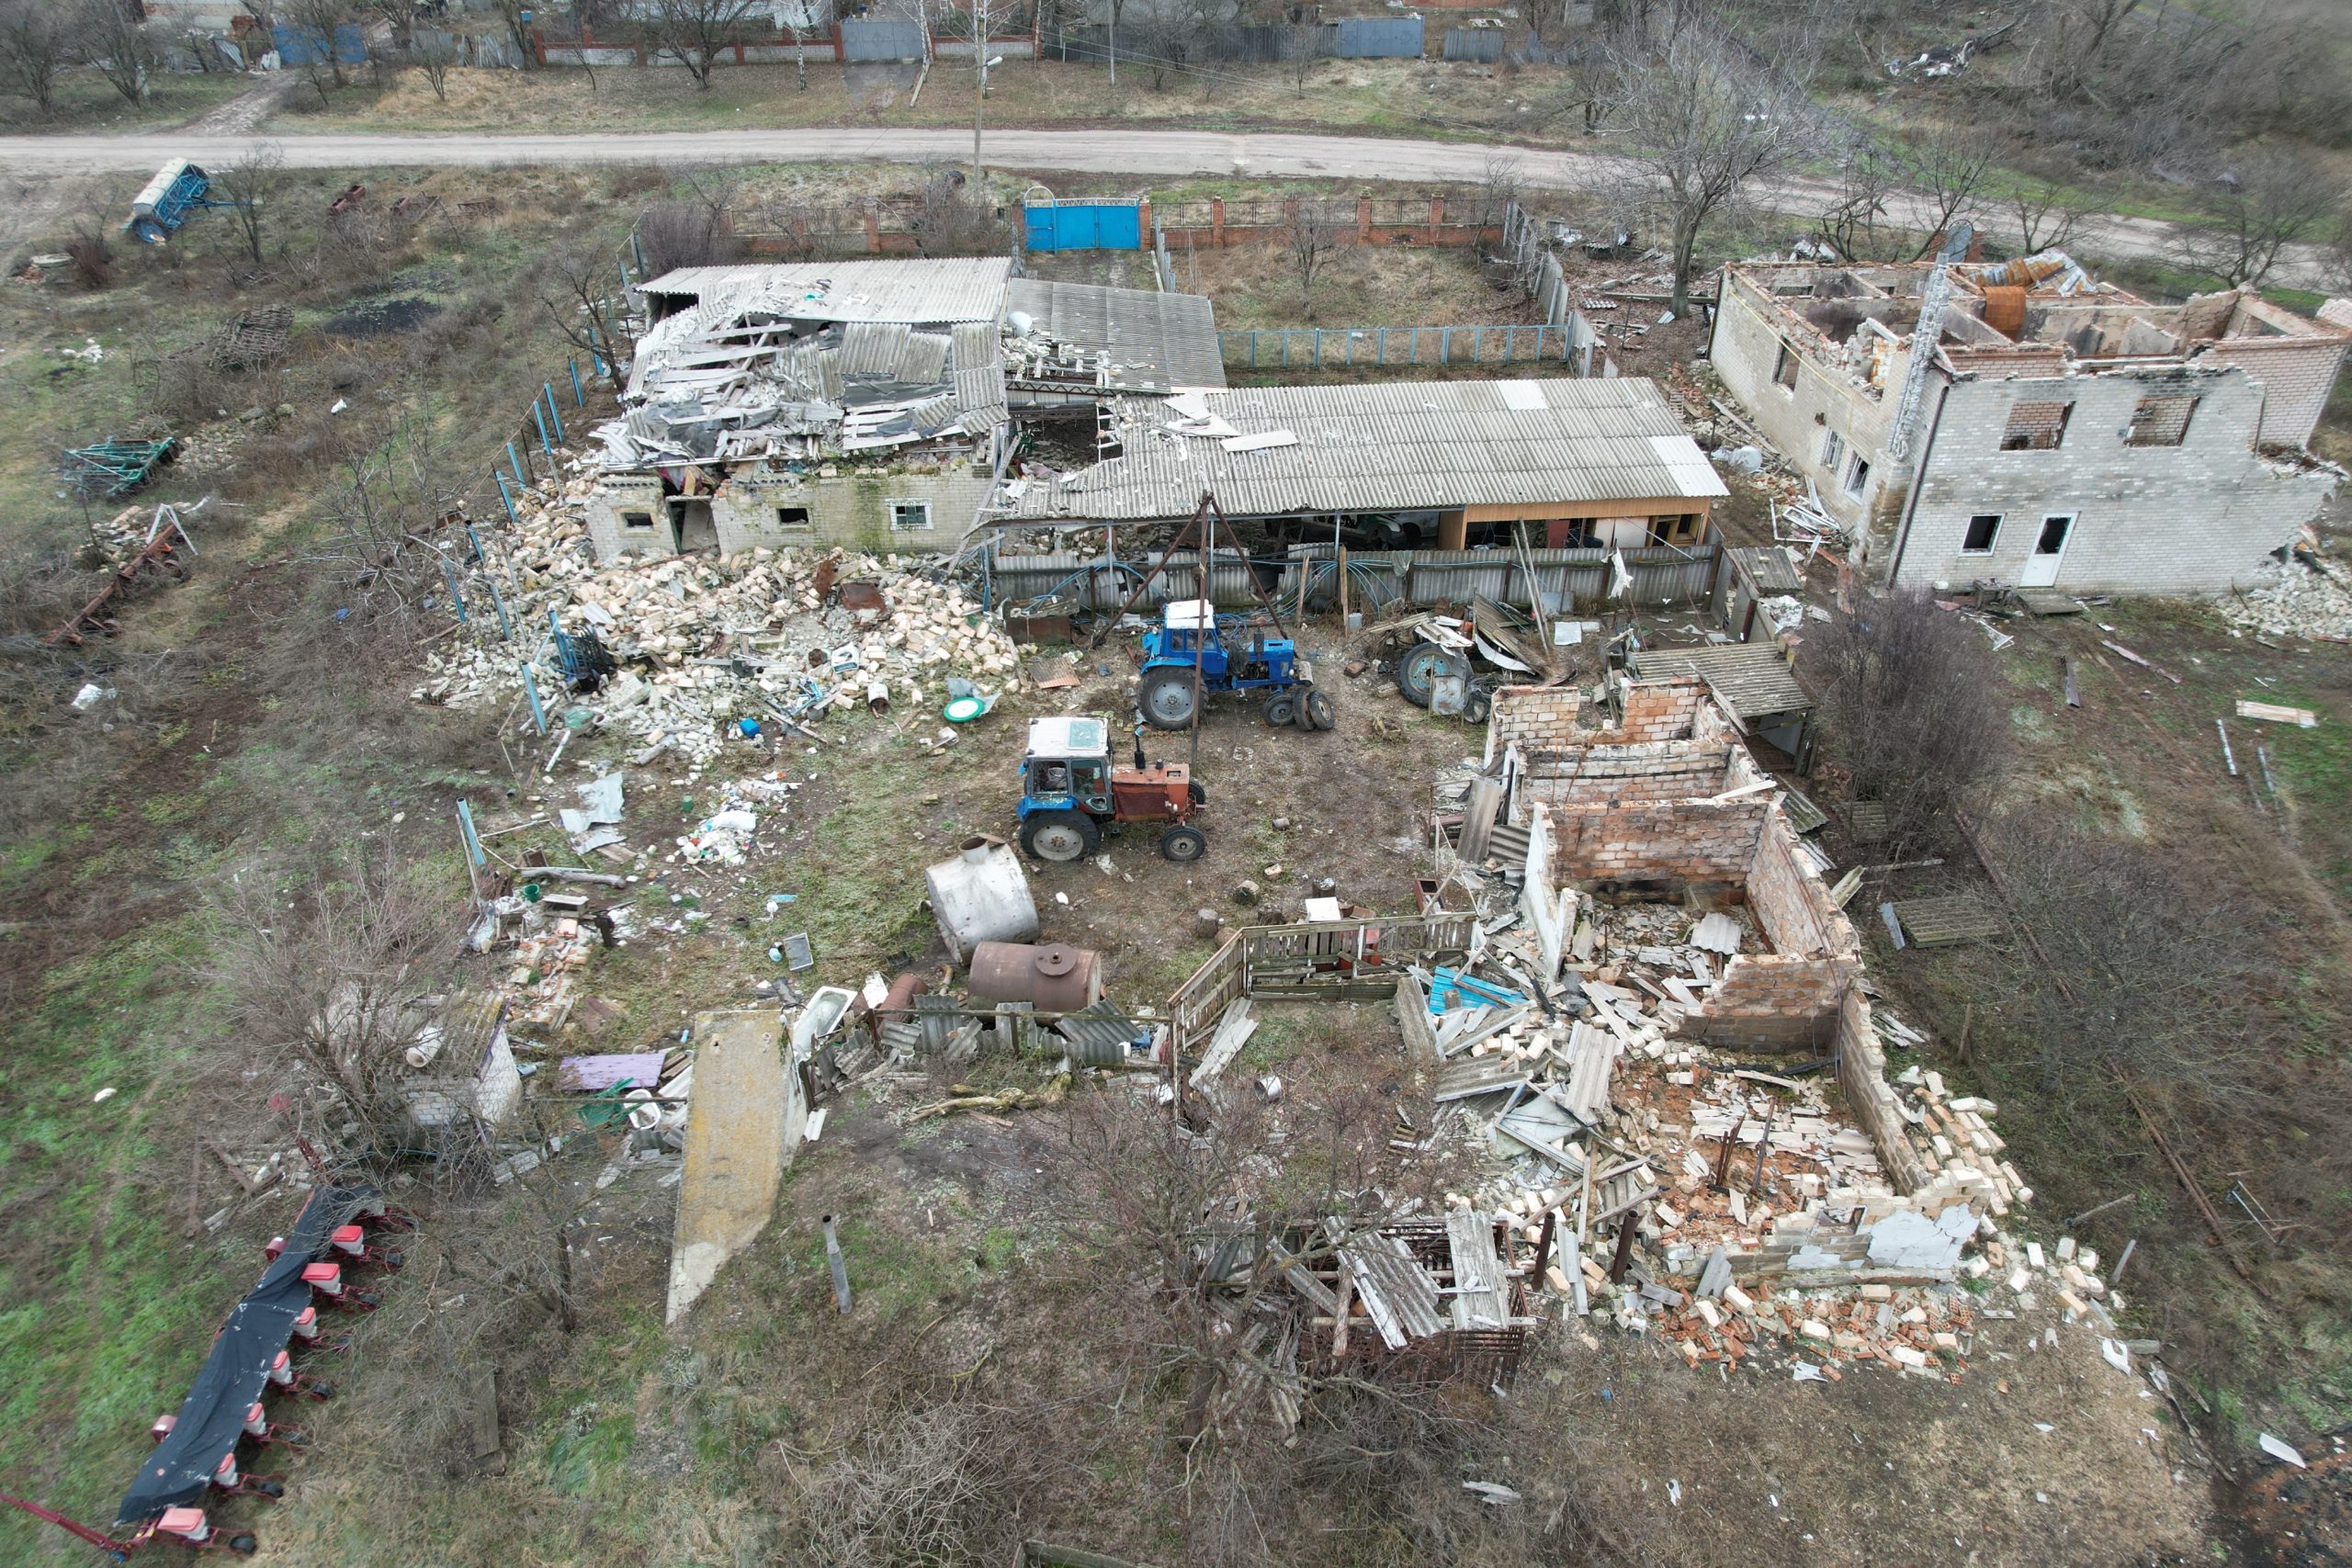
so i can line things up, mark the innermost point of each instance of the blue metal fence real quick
(1084, 226)
(307, 45)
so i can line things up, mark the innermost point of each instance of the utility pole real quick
(981, 62)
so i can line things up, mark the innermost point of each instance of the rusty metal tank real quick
(1053, 978)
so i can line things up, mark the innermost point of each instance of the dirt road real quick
(1160, 152)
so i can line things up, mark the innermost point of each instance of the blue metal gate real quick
(1084, 226)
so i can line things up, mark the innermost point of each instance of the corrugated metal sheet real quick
(924, 362)
(1377, 38)
(1153, 339)
(1753, 678)
(1483, 44)
(881, 37)
(918, 291)
(1391, 447)
(1398, 1293)
(871, 350)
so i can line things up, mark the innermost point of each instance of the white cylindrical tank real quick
(982, 895)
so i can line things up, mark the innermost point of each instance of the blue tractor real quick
(1195, 648)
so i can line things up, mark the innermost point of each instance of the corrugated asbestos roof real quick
(1390, 447)
(913, 293)
(1752, 678)
(1154, 340)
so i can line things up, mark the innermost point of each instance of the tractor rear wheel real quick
(242, 1545)
(1166, 698)
(1317, 710)
(1198, 795)
(1419, 666)
(1283, 711)
(1183, 845)
(1060, 836)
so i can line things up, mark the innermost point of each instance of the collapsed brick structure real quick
(1661, 801)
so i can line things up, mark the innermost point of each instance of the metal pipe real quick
(834, 1261)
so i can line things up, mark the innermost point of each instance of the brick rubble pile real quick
(704, 642)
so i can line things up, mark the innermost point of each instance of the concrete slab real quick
(743, 1126)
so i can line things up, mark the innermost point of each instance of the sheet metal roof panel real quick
(1753, 678)
(1153, 339)
(912, 292)
(1395, 445)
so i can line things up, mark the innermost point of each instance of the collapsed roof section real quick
(1269, 451)
(818, 360)
(2041, 315)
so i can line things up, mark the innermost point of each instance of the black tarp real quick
(233, 1374)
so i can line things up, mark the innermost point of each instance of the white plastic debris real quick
(2281, 1450)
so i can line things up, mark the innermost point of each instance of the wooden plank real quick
(2277, 714)
(1477, 1299)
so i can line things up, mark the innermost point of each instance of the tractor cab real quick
(1068, 767)
(1070, 788)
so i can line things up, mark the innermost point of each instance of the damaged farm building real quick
(1665, 930)
(867, 403)
(2061, 434)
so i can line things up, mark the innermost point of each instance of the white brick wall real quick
(2196, 518)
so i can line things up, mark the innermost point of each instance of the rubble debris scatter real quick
(2307, 596)
(723, 638)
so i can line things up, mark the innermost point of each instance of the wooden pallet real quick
(1939, 923)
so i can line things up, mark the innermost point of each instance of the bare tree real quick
(1945, 168)
(694, 32)
(1911, 703)
(1856, 224)
(118, 42)
(317, 20)
(577, 293)
(954, 220)
(2046, 217)
(33, 47)
(1310, 236)
(2270, 201)
(519, 17)
(433, 55)
(321, 981)
(247, 185)
(696, 231)
(1710, 120)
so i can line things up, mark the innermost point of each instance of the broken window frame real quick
(2154, 413)
(793, 519)
(1833, 451)
(1858, 477)
(1784, 369)
(1992, 535)
(2022, 432)
(898, 511)
(637, 522)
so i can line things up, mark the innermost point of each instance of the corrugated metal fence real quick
(1354, 38)
(1314, 348)
(1570, 579)
(881, 37)
(1481, 44)
(1377, 38)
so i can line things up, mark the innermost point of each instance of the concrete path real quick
(1156, 151)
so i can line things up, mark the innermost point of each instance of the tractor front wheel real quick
(1060, 836)
(1317, 710)
(242, 1545)
(1183, 845)
(1419, 666)
(1283, 711)
(1166, 699)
